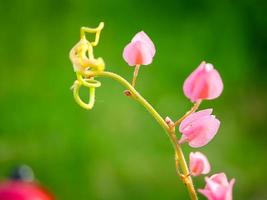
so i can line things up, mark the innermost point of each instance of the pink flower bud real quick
(203, 83)
(199, 164)
(218, 188)
(169, 121)
(140, 51)
(199, 128)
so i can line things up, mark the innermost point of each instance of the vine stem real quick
(170, 131)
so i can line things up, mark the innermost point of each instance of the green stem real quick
(170, 131)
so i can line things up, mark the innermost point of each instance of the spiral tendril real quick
(83, 60)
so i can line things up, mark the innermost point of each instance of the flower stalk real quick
(179, 155)
(192, 110)
(136, 70)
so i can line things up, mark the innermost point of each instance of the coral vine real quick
(197, 128)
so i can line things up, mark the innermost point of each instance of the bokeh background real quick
(117, 150)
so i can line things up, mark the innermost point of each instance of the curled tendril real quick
(83, 60)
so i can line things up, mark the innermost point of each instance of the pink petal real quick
(196, 165)
(217, 191)
(215, 85)
(220, 179)
(229, 194)
(218, 188)
(199, 164)
(206, 193)
(137, 53)
(203, 131)
(189, 82)
(203, 83)
(194, 116)
(199, 128)
(142, 36)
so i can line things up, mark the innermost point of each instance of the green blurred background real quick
(117, 150)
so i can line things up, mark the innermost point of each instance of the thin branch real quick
(193, 109)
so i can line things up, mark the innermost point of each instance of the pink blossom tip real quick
(140, 51)
(199, 164)
(199, 128)
(218, 188)
(203, 83)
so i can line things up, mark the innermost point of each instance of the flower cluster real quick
(197, 128)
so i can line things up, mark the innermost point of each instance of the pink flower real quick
(20, 190)
(218, 188)
(140, 51)
(199, 164)
(203, 83)
(199, 128)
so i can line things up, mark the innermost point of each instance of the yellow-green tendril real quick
(82, 57)
(97, 32)
(79, 101)
(88, 82)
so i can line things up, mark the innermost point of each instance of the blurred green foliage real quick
(117, 151)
